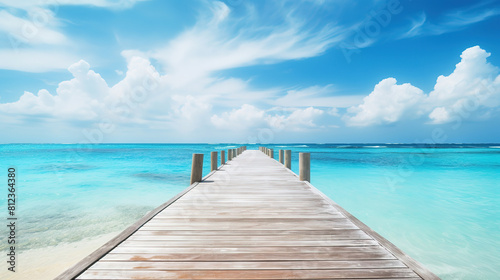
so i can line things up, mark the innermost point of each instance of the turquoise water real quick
(441, 205)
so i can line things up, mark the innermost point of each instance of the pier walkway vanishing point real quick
(252, 218)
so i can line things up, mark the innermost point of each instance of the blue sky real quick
(96, 71)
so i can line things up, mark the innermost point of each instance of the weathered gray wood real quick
(305, 167)
(254, 219)
(213, 161)
(222, 157)
(281, 156)
(250, 274)
(211, 265)
(197, 168)
(288, 159)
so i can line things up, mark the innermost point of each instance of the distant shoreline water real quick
(440, 203)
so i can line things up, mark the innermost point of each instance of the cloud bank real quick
(178, 89)
(472, 91)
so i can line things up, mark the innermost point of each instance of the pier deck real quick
(250, 219)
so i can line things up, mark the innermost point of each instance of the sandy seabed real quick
(47, 263)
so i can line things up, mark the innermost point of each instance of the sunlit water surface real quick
(441, 205)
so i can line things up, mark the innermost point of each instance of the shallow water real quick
(441, 204)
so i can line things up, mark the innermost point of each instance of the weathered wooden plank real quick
(294, 265)
(159, 235)
(250, 227)
(281, 233)
(249, 274)
(246, 243)
(224, 256)
(264, 249)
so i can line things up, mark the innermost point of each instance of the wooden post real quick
(288, 159)
(281, 156)
(197, 168)
(229, 155)
(271, 153)
(305, 167)
(213, 161)
(222, 157)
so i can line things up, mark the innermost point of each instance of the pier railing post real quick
(229, 155)
(288, 159)
(280, 156)
(271, 153)
(197, 168)
(213, 161)
(305, 167)
(222, 157)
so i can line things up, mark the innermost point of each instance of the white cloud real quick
(248, 116)
(333, 112)
(387, 103)
(245, 117)
(472, 88)
(78, 99)
(298, 120)
(317, 96)
(471, 91)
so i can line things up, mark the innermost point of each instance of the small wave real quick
(494, 147)
(225, 147)
(67, 167)
(300, 146)
(374, 146)
(152, 176)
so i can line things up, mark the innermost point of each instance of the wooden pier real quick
(252, 218)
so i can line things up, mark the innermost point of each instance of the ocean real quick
(439, 203)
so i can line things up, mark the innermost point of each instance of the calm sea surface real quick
(439, 204)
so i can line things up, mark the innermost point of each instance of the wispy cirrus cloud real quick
(32, 37)
(28, 4)
(317, 96)
(452, 21)
(221, 41)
